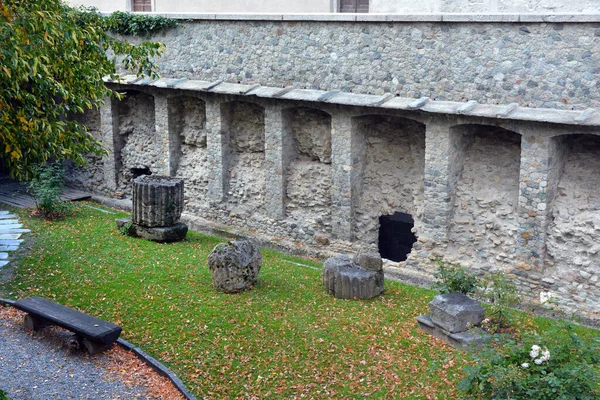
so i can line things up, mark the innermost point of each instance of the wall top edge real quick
(587, 118)
(346, 17)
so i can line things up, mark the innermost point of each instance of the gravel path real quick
(42, 366)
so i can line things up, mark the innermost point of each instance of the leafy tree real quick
(52, 61)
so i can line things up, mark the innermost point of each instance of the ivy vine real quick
(130, 24)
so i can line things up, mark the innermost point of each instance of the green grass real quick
(285, 338)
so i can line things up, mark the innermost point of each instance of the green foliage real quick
(514, 369)
(46, 187)
(52, 61)
(3, 395)
(454, 278)
(130, 24)
(501, 293)
(124, 230)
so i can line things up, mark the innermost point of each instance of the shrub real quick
(501, 293)
(46, 188)
(3, 395)
(454, 278)
(131, 24)
(556, 365)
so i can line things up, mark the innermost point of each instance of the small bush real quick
(501, 293)
(556, 365)
(3, 395)
(46, 188)
(454, 278)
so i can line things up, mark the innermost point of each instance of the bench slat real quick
(89, 327)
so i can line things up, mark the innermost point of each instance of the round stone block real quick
(157, 200)
(234, 266)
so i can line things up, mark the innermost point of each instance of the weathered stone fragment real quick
(173, 233)
(346, 280)
(234, 266)
(452, 312)
(157, 200)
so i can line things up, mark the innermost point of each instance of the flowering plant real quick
(567, 367)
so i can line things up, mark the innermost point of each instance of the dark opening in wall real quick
(135, 172)
(395, 236)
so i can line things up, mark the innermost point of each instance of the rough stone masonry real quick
(491, 181)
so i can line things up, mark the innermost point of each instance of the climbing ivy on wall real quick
(129, 24)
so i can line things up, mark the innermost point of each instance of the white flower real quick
(534, 353)
(546, 355)
(538, 361)
(525, 365)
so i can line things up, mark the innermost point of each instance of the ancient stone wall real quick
(392, 172)
(486, 197)
(536, 64)
(308, 180)
(573, 246)
(137, 142)
(91, 176)
(189, 155)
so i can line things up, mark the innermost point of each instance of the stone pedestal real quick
(345, 279)
(157, 207)
(455, 318)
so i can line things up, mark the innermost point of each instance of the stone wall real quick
(91, 176)
(573, 246)
(486, 198)
(137, 143)
(552, 65)
(392, 172)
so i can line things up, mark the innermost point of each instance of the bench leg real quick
(93, 347)
(33, 323)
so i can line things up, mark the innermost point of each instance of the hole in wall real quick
(395, 236)
(136, 172)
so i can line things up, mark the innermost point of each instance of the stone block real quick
(472, 338)
(173, 233)
(234, 266)
(452, 312)
(344, 279)
(157, 200)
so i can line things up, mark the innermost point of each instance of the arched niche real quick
(91, 175)
(307, 152)
(188, 148)
(136, 144)
(485, 194)
(391, 179)
(243, 124)
(573, 234)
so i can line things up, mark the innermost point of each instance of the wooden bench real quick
(95, 334)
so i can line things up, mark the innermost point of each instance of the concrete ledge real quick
(589, 117)
(385, 18)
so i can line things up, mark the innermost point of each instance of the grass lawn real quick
(285, 338)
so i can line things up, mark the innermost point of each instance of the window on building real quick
(142, 5)
(354, 6)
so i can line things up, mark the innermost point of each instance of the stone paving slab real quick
(3, 256)
(11, 242)
(6, 228)
(5, 236)
(14, 230)
(8, 248)
(8, 221)
(3, 263)
(7, 216)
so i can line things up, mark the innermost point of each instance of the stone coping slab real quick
(381, 17)
(512, 111)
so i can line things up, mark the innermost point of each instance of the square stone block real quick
(452, 312)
